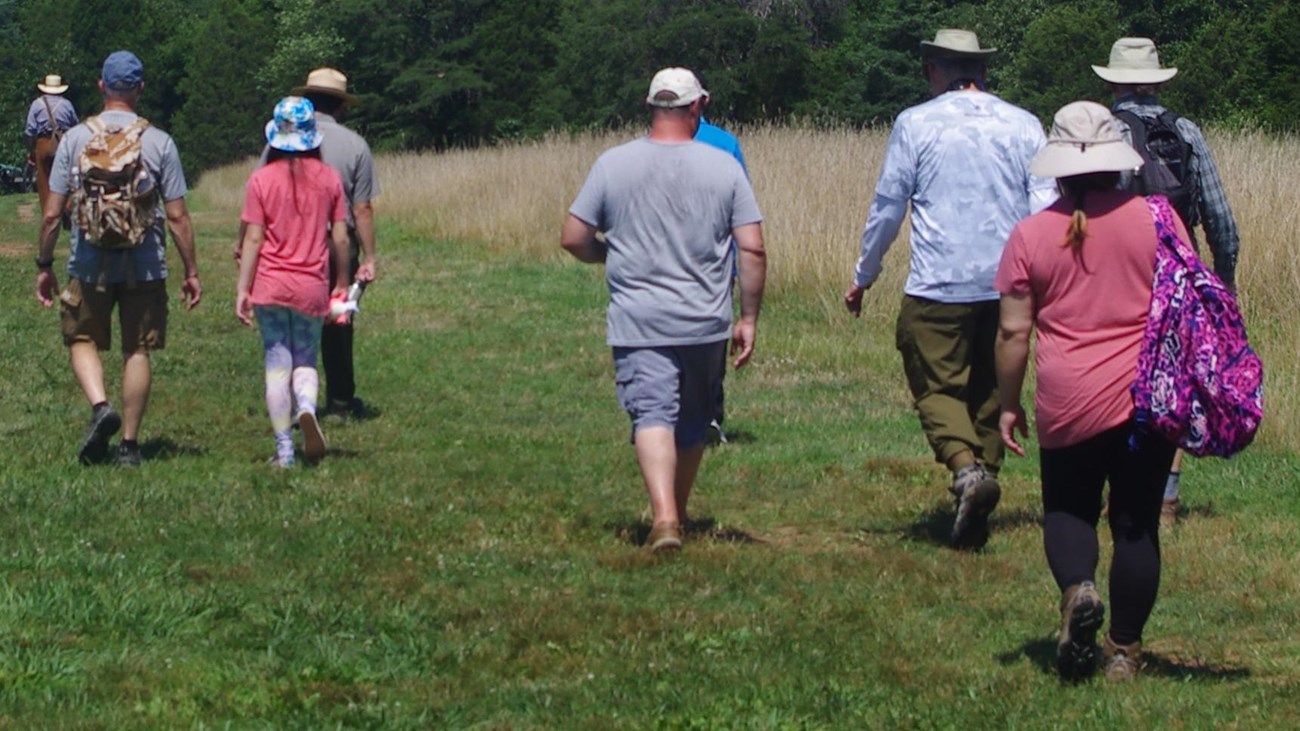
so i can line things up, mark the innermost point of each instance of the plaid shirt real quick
(1211, 209)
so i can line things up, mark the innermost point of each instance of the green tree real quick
(1056, 55)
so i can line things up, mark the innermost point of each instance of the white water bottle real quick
(341, 310)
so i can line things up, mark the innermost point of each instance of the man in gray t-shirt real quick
(668, 207)
(132, 281)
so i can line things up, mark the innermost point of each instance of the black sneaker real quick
(977, 494)
(104, 424)
(353, 408)
(128, 455)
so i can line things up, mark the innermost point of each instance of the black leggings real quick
(1072, 482)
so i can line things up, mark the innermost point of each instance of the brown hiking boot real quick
(665, 536)
(1122, 662)
(977, 492)
(1169, 513)
(1081, 616)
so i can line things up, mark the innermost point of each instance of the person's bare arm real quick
(250, 245)
(579, 239)
(364, 216)
(339, 245)
(1011, 356)
(178, 221)
(753, 279)
(51, 219)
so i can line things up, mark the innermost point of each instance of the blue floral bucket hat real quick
(293, 128)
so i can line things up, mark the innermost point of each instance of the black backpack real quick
(1167, 161)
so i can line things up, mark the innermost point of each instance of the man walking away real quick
(668, 207)
(962, 161)
(49, 116)
(712, 134)
(1177, 164)
(349, 154)
(116, 253)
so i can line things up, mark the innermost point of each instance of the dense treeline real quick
(437, 73)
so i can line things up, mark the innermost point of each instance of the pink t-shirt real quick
(293, 264)
(1090, 309)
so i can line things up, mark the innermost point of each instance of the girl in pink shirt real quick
(290, 206)
(1080, 273)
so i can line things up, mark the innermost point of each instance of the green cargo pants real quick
(947, 354)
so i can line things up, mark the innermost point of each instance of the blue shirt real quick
(713, 135)
(962, 161)
(38, 117)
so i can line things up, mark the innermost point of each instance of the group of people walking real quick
(1012, 232)
(307, 232)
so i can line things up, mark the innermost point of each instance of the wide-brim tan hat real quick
(955, 43)
(1084, 139)
(52, 84)
(326, 81)
(1134, 61)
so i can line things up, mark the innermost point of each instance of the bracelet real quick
(44, 263)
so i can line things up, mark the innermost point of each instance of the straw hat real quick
(1084, 139)
(1134, 61)
(53, 84)
(954, 43)
(326, 81)
(293, 128)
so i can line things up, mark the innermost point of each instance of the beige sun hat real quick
(1134, 61)
(326, 80)
(1084, 139)
(954, 43)
(682, 83)
(52, 84)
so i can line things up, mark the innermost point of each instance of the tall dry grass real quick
(814, 188)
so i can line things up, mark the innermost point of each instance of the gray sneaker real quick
(977, 494)
(103, 424)
(1081, 616)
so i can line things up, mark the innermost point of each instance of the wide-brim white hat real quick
(1084, 139)
(955, 43)
(1134, 61)
(52, 84)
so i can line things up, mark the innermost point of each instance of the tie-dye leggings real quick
(290, 340)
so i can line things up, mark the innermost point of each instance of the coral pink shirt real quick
(295, 203)
(1090, 309)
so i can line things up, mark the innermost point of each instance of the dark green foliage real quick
(442, 73)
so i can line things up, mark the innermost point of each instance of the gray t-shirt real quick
(90, 263)
(667, 212)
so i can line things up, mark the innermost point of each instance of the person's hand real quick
(193, 291)
(853, 299)
(243, 308)
(742, 342)
(239, 250)
(46, 285)
(1011, 421)
(366, 272)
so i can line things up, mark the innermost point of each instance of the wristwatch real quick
(44, 263)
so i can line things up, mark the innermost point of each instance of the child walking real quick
(290, 205)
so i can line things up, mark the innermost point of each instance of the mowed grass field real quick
(468, 558)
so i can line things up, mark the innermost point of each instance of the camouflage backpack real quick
(115, 200)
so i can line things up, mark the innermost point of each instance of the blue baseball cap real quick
(122, 71)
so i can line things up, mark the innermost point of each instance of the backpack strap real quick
(1137, 128)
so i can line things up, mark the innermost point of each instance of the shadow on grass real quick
(1042, 653)
(159, 449)
(697, 529)
(935, 525)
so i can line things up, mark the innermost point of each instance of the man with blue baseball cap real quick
(129, 275)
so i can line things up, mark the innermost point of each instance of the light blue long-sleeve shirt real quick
(962, 161)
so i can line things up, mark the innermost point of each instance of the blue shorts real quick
(672, 386)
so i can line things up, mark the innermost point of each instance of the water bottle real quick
(342, 309)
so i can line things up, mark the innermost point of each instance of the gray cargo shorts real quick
(672, 386)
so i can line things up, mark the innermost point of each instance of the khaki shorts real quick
(87, 313)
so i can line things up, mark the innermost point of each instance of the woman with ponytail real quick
(291, 205)
(1080, 274)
